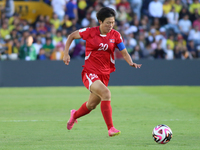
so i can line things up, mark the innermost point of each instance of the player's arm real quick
(71, 37)
(128, 58)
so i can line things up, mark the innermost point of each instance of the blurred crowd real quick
(151, 29)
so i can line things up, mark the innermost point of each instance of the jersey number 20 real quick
(103, 47)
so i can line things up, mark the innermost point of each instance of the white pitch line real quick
(29, 120)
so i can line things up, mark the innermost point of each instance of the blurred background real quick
(151, 29)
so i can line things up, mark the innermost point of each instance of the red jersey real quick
(99, 53)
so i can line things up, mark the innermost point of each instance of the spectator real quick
(193, 6)
(122, 15)
(197, 22)
(79, 50)
(125, 4)
(4, 31)
(159, 52)
(41, 28)
(39, 19)
(142, 41)
(14, 18)
(66, 23)
(155, 9)
(178, 6)
(16, 46)
(166, 7)
(162, 36)
(136, 53)
(94, 12)
(144, 24)
(14, 34)
(194, 35)
(59, 8)
(55, 21)
(156, 24)
(177, 52)
(25, 25)
(145, 7)
(38, 45)
(185, 26)
(57, 53)
(2, 16)
(86, 21)
(194, 16)
(148, 52)
(64, 33)
(72, 10)
(192, 49)
(170, 42)
(172, 19)
(48, 47)
(47, 23)
(184, 11)
(186, 54)
(130, 43)
(82, 9)
(136, 7)
(41, 54)
(27, 51)
(169, 53)
(8, 53)
(180, 43)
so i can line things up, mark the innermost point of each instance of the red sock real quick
(106, 110)
(83, 110)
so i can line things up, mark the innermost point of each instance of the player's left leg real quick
(85, 108)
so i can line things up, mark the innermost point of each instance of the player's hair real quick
(105, 12)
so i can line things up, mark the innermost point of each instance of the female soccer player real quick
(101, 42)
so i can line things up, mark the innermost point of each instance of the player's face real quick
(107, 25)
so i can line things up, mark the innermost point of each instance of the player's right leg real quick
(103, 92)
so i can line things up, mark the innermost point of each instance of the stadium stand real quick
(173, 32)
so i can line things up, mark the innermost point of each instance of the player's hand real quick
(66, 59)
(136, 65)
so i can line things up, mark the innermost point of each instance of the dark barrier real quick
(56, 73)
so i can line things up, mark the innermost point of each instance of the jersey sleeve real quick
(118, 38)
(84, 33)
(119, 41)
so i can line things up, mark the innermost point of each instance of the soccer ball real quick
(162, 134)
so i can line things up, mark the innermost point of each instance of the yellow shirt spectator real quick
(167, 8)
(177, 7)
(11, 19)
(4, 32)
(57, 39)
(170, 43)
(67, 23)
(194, 6)
(56, 23)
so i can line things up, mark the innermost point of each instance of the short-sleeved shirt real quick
(99, 54)
(70, 9)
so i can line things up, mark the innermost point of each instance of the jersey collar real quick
(100, 32)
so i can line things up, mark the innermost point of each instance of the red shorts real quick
(89, 78)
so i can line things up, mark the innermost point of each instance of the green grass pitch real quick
(35, 118)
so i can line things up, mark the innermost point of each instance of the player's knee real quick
(106, 94)
(91, 106)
